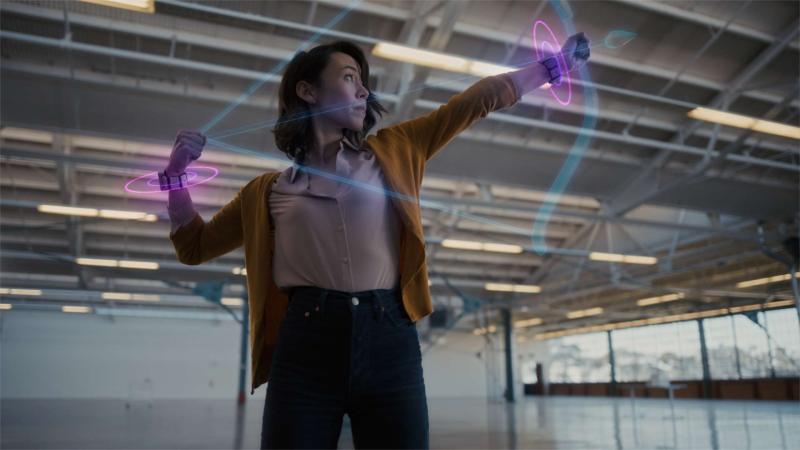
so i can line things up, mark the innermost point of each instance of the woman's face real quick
(342, 100)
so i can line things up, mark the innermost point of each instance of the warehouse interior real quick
(615, 271)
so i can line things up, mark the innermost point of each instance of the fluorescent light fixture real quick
(99, 262)
(5, 306)
(232, 301)
(116, 296)
(27, 134)
(127, 215)
(92, 212)
(147, 265)
(441, 61)
(662, 299)
(134, 297)
(240, 271)
(628, 259)
(767, 280)
(31, 292)
(76, 309)
(504, 287)
(67, 210)
(584, 313)
(502, 248)
(545, 197)
(462, 245)
(481, 246)
(532, 322)
(26, 292)
(146, 6)
(740, 121)
(421, 57)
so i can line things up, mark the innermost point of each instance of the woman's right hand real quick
(187, 148)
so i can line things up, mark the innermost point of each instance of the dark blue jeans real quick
(346, 353)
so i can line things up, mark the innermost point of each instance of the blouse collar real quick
(343, 143)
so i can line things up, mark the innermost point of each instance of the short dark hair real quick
(293, 132)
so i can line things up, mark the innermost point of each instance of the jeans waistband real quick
(332, 294)
(376, 299)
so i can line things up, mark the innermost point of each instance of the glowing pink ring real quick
(562, 63)
(154, 175)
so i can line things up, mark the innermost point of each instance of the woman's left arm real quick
(428, 134)
(431, 132)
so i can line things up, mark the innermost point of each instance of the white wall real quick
(59, 355)
(452, 369)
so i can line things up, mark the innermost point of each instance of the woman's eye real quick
(348, 75)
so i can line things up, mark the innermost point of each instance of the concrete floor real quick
(536, 423)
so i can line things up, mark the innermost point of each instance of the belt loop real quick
(321, 302)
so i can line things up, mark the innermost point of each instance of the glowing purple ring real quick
(562, 63)
(151, 175)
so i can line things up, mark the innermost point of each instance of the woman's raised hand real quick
(187, 148)
(575, 51)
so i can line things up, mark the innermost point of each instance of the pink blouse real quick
(332, 234)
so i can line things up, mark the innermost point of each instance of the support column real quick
(704, 359)
(736, 346)
(508, 335)
(612, 391)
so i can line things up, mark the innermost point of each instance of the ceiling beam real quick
(486, 33)
(647, 184)
(702, 19)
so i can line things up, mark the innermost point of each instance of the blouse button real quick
(355, 300)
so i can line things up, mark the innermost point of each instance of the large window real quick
(753, 345)
(724, 338)
(669, 351)
(784, 330)
(579, 359)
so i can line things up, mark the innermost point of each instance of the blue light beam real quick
(439, 205)
(578, 147)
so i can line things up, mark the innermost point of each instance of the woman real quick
(336, 272)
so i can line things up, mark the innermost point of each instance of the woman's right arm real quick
(195, 240)
(187, 148)
(180, 208)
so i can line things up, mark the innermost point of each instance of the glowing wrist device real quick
(167, 182)
(553, 70)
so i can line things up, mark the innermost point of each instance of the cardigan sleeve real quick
(431, 132)
(199, 241)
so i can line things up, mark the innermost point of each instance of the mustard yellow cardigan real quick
(402, 151)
